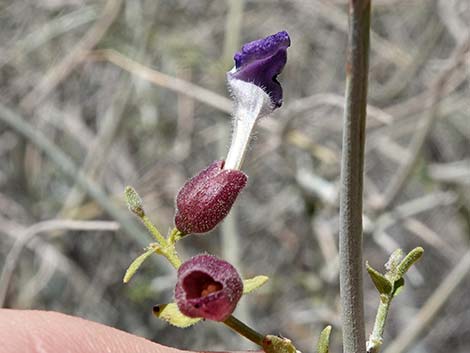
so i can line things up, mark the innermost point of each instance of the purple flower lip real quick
(208, 287)
(261, 61)
(205, 199)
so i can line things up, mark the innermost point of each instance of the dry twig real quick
(400, 178)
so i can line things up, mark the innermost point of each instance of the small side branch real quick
(431, 308)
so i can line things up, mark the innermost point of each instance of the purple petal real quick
(208, 287)
(261, 61)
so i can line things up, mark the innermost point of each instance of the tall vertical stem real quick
(352, 167)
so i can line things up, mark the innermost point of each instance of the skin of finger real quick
(30, 331)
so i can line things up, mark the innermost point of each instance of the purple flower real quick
(261, 61)
(207, 198)
(208, 287)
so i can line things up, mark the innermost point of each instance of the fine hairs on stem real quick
(352, 167)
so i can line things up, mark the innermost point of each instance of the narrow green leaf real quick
(134, 266)
(324, 340)
(171, 314)
(383, 285)
(398, 287)
(251, 284)
(413, 256)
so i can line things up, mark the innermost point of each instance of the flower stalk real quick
(244, 330)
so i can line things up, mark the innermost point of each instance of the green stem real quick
(170, 248)
(153, 230)
(376, 337)
(167, 247)
(170, 253)
(244, 330)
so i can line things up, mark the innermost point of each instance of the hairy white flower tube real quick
(250, 103)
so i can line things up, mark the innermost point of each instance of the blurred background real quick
(97, 95)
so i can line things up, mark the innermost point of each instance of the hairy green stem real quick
(376, 337)
(244, 330)
(352, 167)
(153, 230)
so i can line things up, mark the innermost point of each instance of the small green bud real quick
(394, 260)
(134, 201)
(392, 265)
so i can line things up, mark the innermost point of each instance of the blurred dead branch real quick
(47, 226)
(60, 71)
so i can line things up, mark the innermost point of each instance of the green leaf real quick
(398, 287)
(413, 256)
(324, 340)
(383, 285)
(134, 266)
(171, 314)
(251, 284)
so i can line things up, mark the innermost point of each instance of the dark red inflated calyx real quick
(208, 287)
(205, 199)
